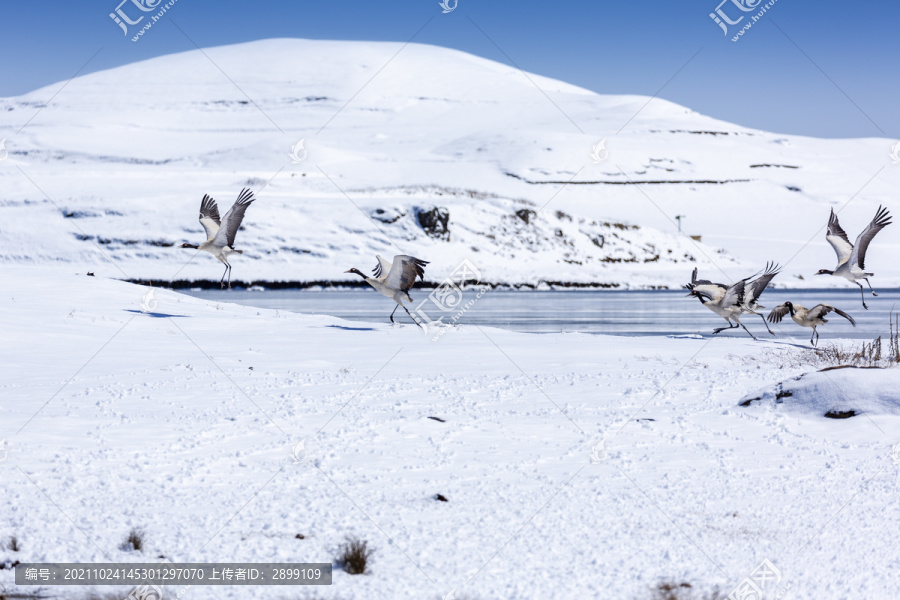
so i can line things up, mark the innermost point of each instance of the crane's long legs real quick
(862, 293)
(870, 287)
(228, 273)
(410, 315)
(748, 331)
(730, 326)
(395, 310)
(766, 324)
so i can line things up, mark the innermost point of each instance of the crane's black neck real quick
(358, 272)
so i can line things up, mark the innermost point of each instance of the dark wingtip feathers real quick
(245, 197)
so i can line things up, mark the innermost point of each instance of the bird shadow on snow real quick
(155, 315)
(792, 344)
(768, 341)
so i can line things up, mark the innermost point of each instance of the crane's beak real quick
(350, 271)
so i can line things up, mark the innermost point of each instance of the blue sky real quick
(824, 69)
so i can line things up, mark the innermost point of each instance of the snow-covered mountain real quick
(427, 150)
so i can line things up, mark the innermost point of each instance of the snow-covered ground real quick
(182, 421)
(108, 172)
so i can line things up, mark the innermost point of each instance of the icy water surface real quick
(610, 312)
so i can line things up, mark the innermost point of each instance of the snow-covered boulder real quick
(835, 393)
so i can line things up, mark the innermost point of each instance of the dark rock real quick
(441, 497)
(526, 214)
(389, 215)
(840, 414)
(434, 222)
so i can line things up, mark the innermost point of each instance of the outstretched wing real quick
(383, 267)
(820, 310)
(778, 313)
(704, 282)
(734, 295)
(858, 256)
(233, 218)
(838, 239)
(845, 315)
(756, 287)
(209, 216)
(404, 271)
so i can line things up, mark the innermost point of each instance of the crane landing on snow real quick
(395, 279)
(812, 317)
(730, 302)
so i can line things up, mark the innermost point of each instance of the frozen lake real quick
(609, 312)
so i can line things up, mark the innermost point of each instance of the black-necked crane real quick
(852, 258)
(220, 233)
(395, 279)
(730, 302)
(812, 317)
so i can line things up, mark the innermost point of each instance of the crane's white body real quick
(391, 290)
(220, 252)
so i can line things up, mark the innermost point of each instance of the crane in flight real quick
(220, 232)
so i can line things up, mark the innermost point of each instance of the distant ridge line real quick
(645, 182)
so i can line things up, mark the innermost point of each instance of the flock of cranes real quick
(741, 298)
(395, 278)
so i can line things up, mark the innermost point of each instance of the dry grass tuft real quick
(669, 590)
(353, 555)
(134, 541)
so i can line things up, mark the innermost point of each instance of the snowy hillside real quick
(108, 176)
